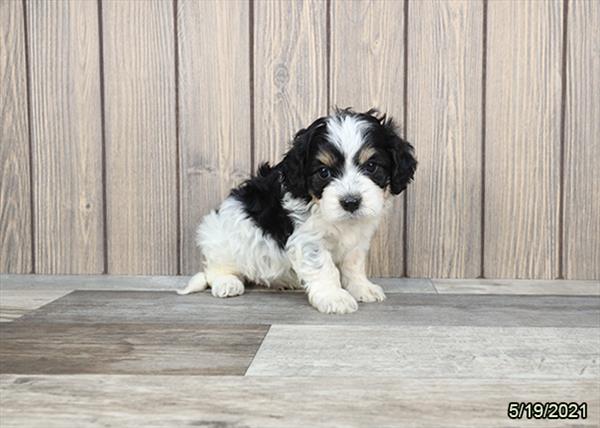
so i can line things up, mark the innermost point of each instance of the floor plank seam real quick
(257, 350)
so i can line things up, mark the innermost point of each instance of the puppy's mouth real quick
(359, 214)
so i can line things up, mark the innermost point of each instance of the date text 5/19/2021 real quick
(547, 410)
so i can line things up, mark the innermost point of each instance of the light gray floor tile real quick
(517, 286)
(69, 283)
(293, 308)
(429, 352)
(16, 303)
(267, 402)
(405, 285)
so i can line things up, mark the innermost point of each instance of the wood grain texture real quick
(66, 136)
(290, 72)
(522, 166)
(538, 287)
(149, 222)
(229, 401)
(581, 238)
(430, 352)
(141, 146)
(367, 70)
(444, 123)
(400, 309)
(214, 110)
(128, 349)
(15, 203)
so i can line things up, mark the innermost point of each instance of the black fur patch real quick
(261, 197)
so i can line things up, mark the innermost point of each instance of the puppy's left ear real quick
(404, 163)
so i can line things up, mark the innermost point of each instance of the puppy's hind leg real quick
(226, 286)
(197, 283)
(221, 285)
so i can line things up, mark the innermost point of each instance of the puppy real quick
(307, 222)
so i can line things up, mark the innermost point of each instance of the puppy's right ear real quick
(296, 162)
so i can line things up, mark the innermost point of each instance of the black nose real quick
(350, 203)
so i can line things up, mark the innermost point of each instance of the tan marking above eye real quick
(365, 154)
(326, 158)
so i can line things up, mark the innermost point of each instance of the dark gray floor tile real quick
(128, 348)
(293, 308)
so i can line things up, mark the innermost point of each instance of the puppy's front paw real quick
(366, 291)
(336, 301)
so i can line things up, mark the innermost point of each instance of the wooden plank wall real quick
(66, 137)
(141, 143)
(444, 120)
(123, 122)
(15, 178)
(290, 72)
(581, 196)
(222, 126)
(523, 139)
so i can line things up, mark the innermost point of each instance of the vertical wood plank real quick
(66, 136)
(214, 109)
(523, 111)
(15, 204)
(141, 149)
(367, 70)
(444, 122)
(290, 72)
(581, 248)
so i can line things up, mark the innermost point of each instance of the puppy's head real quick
(349, 163)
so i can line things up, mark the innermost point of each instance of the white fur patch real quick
(233, 244)
(346, 133)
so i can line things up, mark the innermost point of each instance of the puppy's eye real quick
(370, 167)
(324, 172)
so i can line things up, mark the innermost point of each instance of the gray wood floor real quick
(127, 351)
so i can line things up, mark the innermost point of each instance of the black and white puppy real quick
(308, 221)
